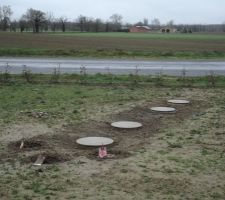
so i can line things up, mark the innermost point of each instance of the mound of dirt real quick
(29, 144)
(50, 158)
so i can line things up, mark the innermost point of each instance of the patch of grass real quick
(195, 132)
(36, 187)
(152, 36)
(158, 80)
(68, 99)
(117, 45)
(163, 152)
(154, 54)
(124, 170)
(174, 145)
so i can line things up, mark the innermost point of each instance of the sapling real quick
(26, 74)
(56, 74)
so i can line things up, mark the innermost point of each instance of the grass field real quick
(114, 45)
(173, 156)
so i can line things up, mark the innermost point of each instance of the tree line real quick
(38, 21)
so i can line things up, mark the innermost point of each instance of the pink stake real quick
(102, 152)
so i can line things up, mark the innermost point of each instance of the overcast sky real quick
(181, 11)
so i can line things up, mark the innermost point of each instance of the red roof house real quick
(140, 29)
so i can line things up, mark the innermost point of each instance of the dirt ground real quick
(173, 156)
(63, 142)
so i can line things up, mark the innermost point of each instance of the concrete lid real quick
(178, 101)
(94, 141)
(163, 109)
(126, 124)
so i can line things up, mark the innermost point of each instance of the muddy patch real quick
(50, 158)
(62, 145)
(29, 144)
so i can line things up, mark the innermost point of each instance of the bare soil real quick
(62, 146)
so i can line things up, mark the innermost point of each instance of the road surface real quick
(47, 65)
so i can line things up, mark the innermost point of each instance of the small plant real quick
(183, 76)
(159, 79)
(108, 70)
(36, 187)
(83, 73)
(55, 75)
(123, 170)
(174, 145)
(135, 77)
(211, 79)
(26, 74)
(83, 70)
(195, 132)
(136, 74)
(5, 76)
(110, 75)
(188, 82)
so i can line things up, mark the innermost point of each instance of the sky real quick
(180, 11)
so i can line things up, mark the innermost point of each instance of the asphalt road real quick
(47, 65)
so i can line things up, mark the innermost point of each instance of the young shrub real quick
(55, 75)
(183, 75)
(83, 73)
(5, 76)
(159, 79)
(135, 77)
(109, 75)
(27, 74)
(211, 79)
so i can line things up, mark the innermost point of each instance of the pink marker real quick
(102, 152)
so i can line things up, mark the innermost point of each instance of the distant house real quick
(168, 30)
(140, 29)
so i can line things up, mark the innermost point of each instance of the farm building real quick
(168, 30)
(140, 29)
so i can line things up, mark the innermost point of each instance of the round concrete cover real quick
(178, 101)
(126, 124)
(163, 109)
(94, 141)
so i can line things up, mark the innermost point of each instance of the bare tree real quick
(50, 21)
(116, 21)
(223, 26)
(155, 23)
(5, 15)
(63, 21)
(145, 22)
(170, 23)
(82, 20)
(36, 18)
(13, 26)
(22, 24)
(107, 26)
(98, 22)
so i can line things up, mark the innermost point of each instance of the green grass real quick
(114, 45)
(67, 98)
(116, 53)
(152, 36)
(131, 79)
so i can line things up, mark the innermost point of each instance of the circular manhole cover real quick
(178, 101)
(163, 109)
(126, 124)
(94, 141)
